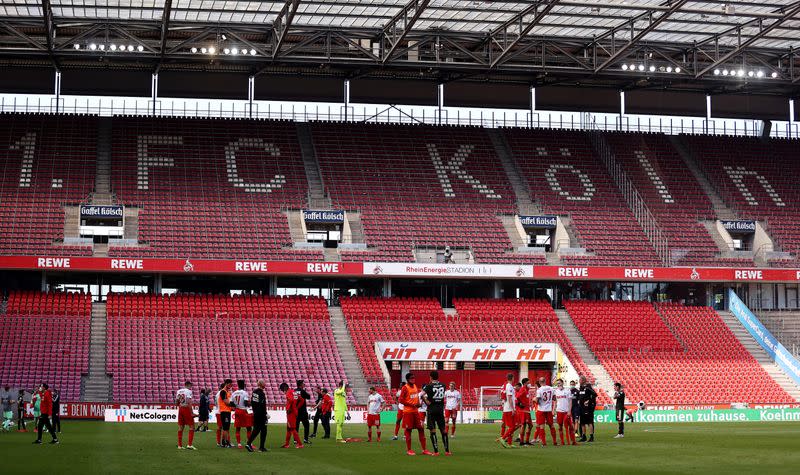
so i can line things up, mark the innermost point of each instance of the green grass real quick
(97, 447)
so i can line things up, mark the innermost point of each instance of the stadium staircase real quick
(523, 194)
(761, 356)
(785, 326)
(721, 210)
(96, 385)
(352, 367)
(316, 189)
(102, 181)
(602, 379)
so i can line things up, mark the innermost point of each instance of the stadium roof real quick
(679, 43)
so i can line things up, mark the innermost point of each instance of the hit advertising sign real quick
(434, 351)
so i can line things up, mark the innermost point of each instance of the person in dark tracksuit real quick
(56, 410)
(44, 417)
(587, 398)
(619, 406)
(302, 410)
(21, 411)
(258, 402)
(317, 412)
(576, 408)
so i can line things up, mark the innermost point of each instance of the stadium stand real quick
(672, 195)
(673, 354)
(45, 338)
(210, 188)
(758, 180)
(422, 319)
(419, 186)
(46, 163)
(155, 343)
(566, 178)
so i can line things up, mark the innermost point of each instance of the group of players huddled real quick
(571, 408)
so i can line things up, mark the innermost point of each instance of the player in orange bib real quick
(410, 399)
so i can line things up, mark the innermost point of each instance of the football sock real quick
(422, 440)
(553, 434)
(238, 437)
(434, 442)
(218, 436)
(180, 438)
(561, 435)
(397, 428)
(446, 441)
(369, 434)
(288, 437)
(191, 437)
(249, 431)
(379, 435)
(407, 434)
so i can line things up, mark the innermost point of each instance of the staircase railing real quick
(636, 203)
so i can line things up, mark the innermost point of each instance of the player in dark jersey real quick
(587, 398)
(619, 406)
(433, 394)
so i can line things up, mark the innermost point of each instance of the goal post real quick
(488, 399)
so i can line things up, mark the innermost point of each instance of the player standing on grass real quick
(184, 399)
(619, 403)
(241, 400)
(564, 412)
(509, 408)
(399, 420)
(224, 408)
(374, 413)
(524, 412)
(433, 395)
(452, 403)
(576, 408)
(587, 398)
(291, 418)
(258, 401)
(219, 416)
(544, 411)
(410, 398)
(340, 409)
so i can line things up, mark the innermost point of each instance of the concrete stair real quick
(509, 223)
(602, 379)
(102, 184)
(72, 221)
(295, 218)
(775, 372)
(316, 188)
(100, 249)
(356, 227)
(721, 210)
(96, 385)
(523, 194)
(352, 366)
(331, 254)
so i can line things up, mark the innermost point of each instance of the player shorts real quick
(564, 418)
(436, 418)
(544, 418)
(450, 413)
(225, 420)
(411, 420)
(587, 418)
(242, 419)
(399, 415)
(620, 415)
(373, 420)
(524, 417)
(185, 416)
(508, 419)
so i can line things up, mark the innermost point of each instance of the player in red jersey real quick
(524, 413)
(509, 409)
(544, 411)
(410, 399)
(564, 412)
(291, 417)
(183, 398)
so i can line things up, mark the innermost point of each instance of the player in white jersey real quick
(508, 395)
(452, 403)
(544, 410)
(564, 412)
(399, 420)
(241, 401)
(374, 407)
(184, 399)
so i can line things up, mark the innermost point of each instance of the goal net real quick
(489, 399)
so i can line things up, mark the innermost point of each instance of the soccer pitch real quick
(96, 447)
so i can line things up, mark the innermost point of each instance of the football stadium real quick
(382, 236)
